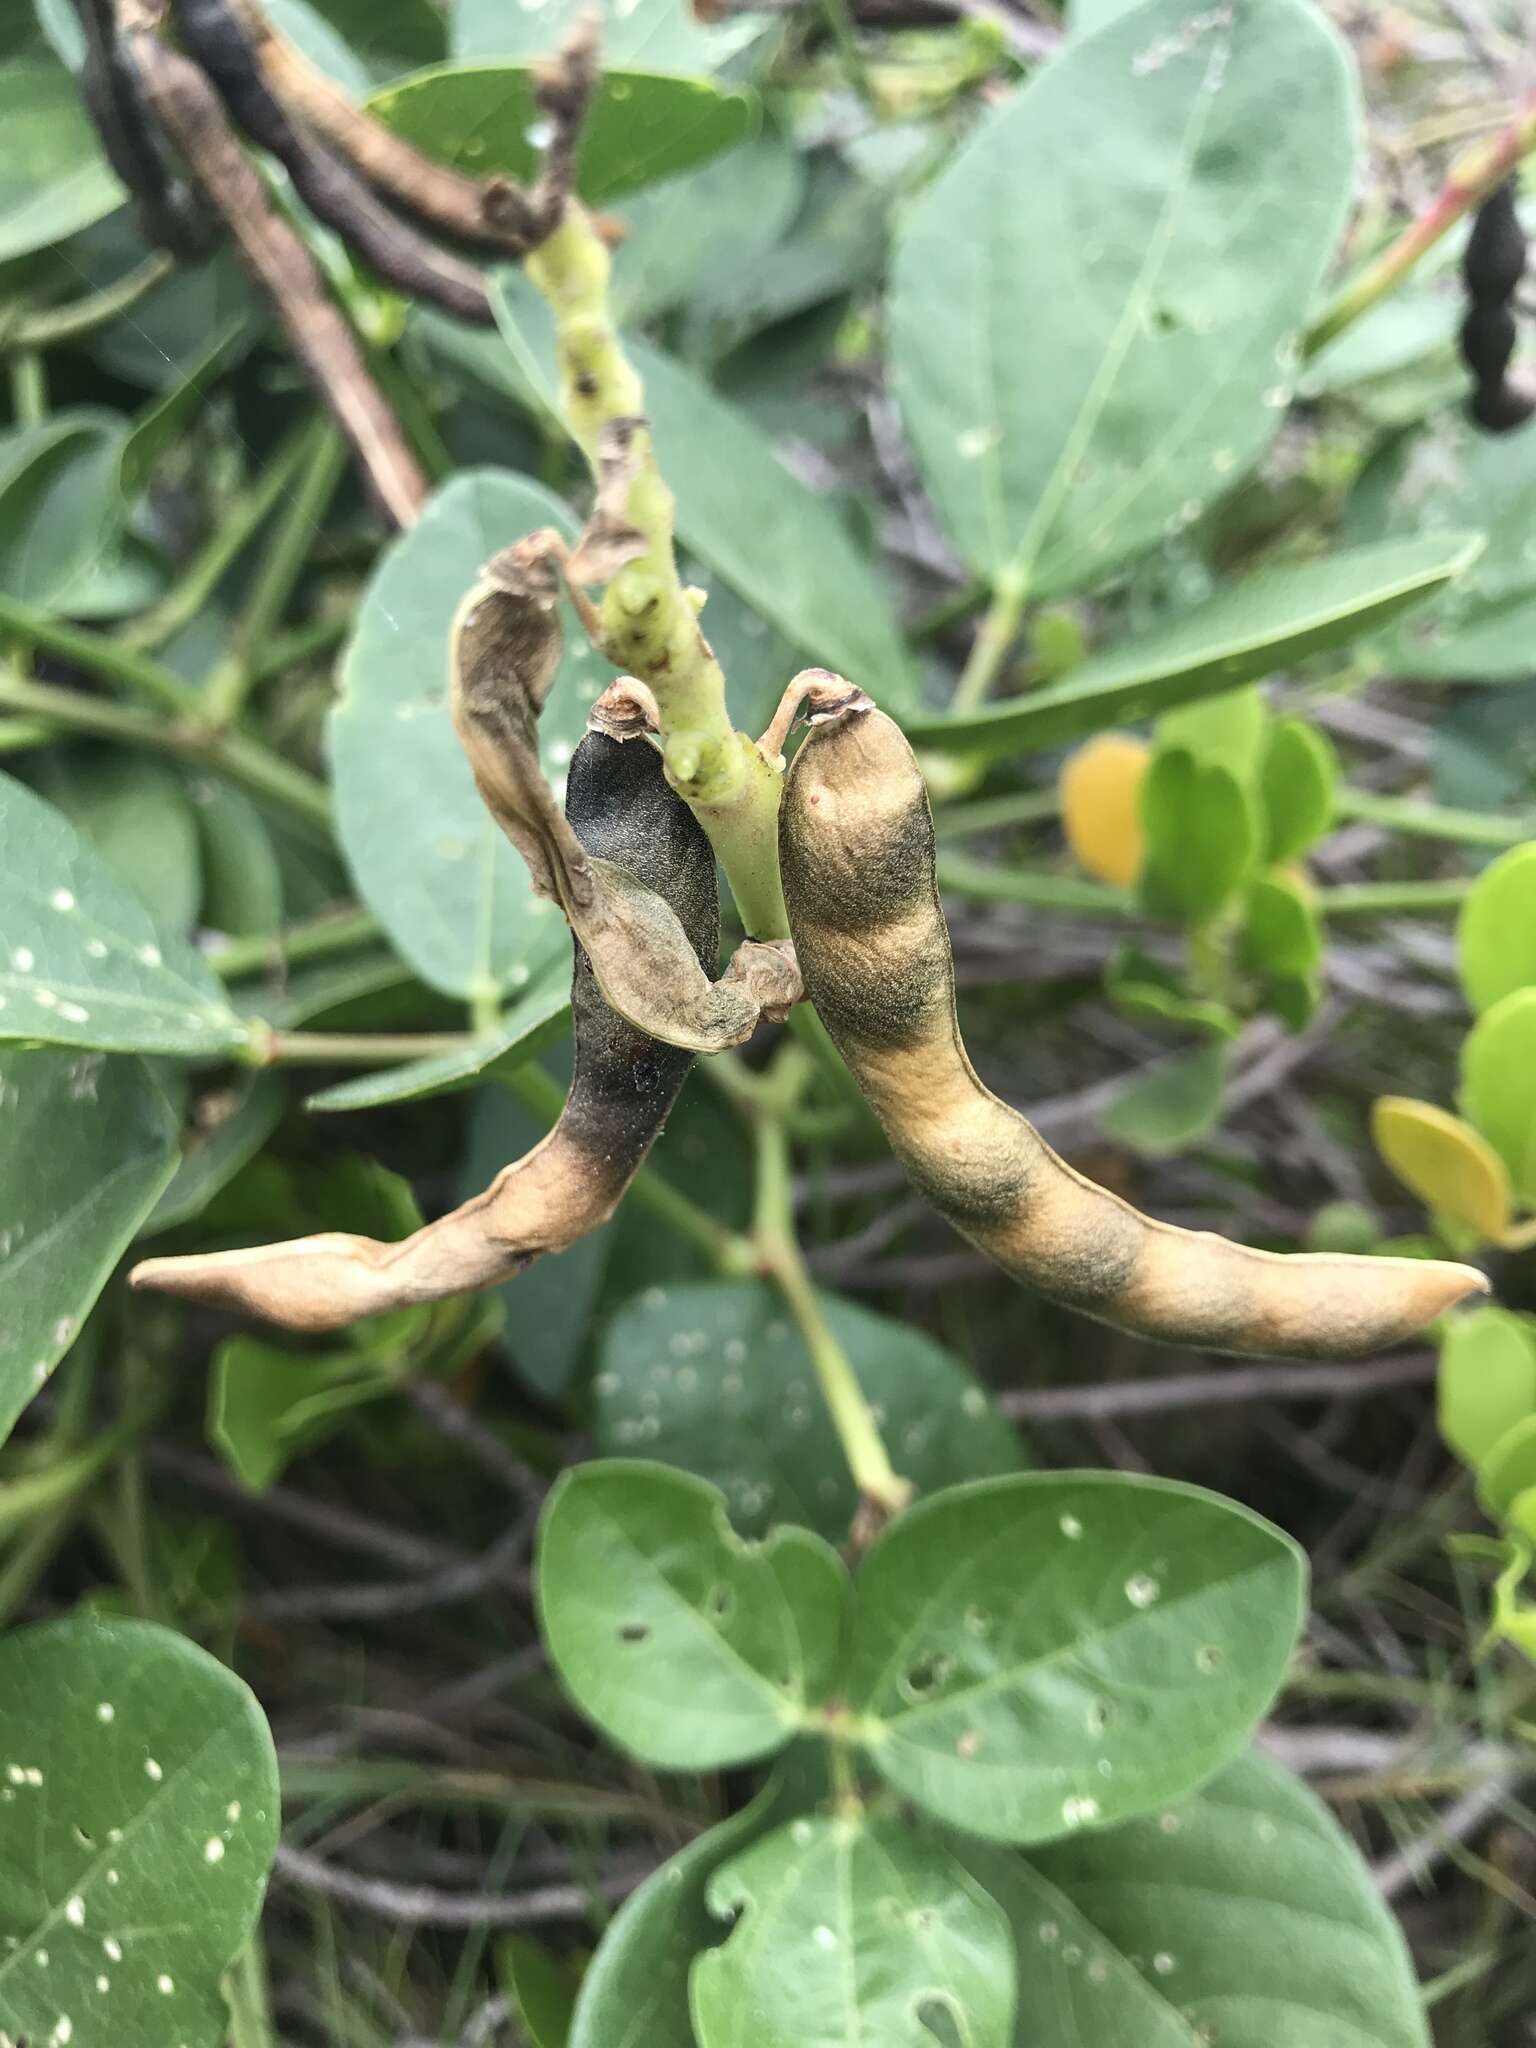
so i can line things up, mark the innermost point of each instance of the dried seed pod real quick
(1492, 267)
(506, 649)
(622, 1089)
(857, 853)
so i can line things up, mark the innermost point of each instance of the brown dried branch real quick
(188, 110)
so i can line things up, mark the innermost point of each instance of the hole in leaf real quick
(720, 1602)
(634, 1632)
(1208, 1657)
(1162, 320)
(924, 1678)
(937, 2016)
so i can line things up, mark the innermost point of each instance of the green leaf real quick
(1297, 780)
(1202, 833)
(88, 1145)
(135, 814)
(643, 125)
(163, 423)
(428, 859)
(1508, 1468)
(1080, 385)
(850, 1931)
(1452, 1169)
(537, 1020)
(1226, 731)
(267, 1404)
(714, 1378)
(1150, 1634)
(1498, 1084)
(1270, 620)
(542, 1988)
(1487, 1380)
(655, 33)
(635, 1991)
(325, 45)
(1243, 1916)
(53, 177)
(141, 1806)
(703, 236)
(684, 1643)
(242, 881)
(775, 541)
(227, 1130)
(61, 513)
(82, 963)
(1282, 934)
(1496, 933)
(1162, 1112)
(1483, 626)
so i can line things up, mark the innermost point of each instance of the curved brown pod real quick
(622, 1090)
(856, 848)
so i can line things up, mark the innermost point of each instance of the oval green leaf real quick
(61, 512)
(1452, 1169)
(1079, 385)
(849, 1931)
(655, 33)
(140, 1795)
(1498, 1084)
(81, 962)
(643, 125)
(684, 1643)
(713, 1377)
(1202, 835)
(1242, 1916)
(429, 860)
(1161, 1112)
(53, 177)
(1130, 1661)
(1270, 620)
(1297, 779)
(1487, 1380)
(88, 1143)
(1496, 933)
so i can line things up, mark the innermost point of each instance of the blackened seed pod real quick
(622, 1090)
(1492, 267)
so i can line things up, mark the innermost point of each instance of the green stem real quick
(338, 931)
(997, 632)
(248, 1995)
(242, 760)
(1433, 821)
(271, 1048)
(56, 324)
(988, 884)
(726, 1249)
(997, 813)
(237, 523)
(946, 612)
(323, 456)
(29, 388)
(289, 650)
(650, 622)
(781, 1260)
(100, 656)
(1394, 899)
(1472, 178)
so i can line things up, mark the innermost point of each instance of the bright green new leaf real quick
(1050, 1652)
(1202, 832)
(429, 860)
(1498, 1084)
(81, 961)
(1096, 302)
(266, 1404)
(657, 34)
(635, 1991)
(1282, 934)
(1487, 1380)
(1453, 1171)
(687, 1645)
(643, 125)
(1243, 1916)
(1228, 731)
(1508, 1468)
(140, 1811)
(53, 177)
(776, 542)
(1161, 1112)
(1496, 934)
(851, 1931)
(714, 1378)
(1272, 619)
(1297, 779)
(533, 1022)
(88, 1145)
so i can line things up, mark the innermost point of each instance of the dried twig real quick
(1217, 1388)
(423, 1905)
(187, 108)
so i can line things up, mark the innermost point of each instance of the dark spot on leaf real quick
(720, 1602)
(938, 2017)
(634, 1632)
(925, 1677)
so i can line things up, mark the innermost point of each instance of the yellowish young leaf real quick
(1100, 806)
(1453, 1170)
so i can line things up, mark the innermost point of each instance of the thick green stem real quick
(989, 650)
(340, 931)
(99, 656)
(55, 324)
(1472, 178)
(271, 1048)
(242, 760)
(1433, 821)
(1394, 899)
(650, 621)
